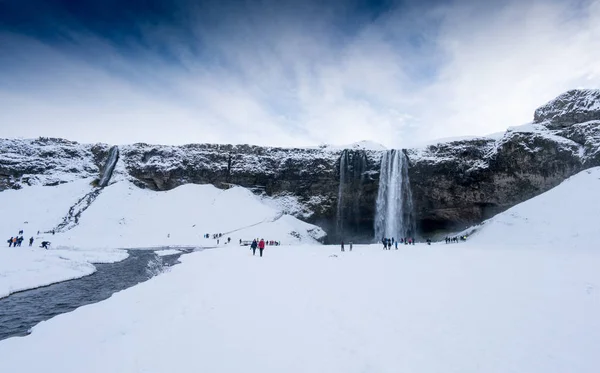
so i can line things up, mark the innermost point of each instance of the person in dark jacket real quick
(30, 241)
(342, 246)
(261, 246)
(253, 246)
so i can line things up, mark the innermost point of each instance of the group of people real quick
(17, 241)
(349, 246)
(389, 242)
(456, 239)
(257, 244)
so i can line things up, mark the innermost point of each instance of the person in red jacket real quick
(261, 246)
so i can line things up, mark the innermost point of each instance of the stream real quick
(19, 312)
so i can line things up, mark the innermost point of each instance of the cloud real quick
(299, 73)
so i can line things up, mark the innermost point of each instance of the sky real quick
(287, 72)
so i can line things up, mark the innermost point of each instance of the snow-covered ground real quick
(517, 297)
(439, 308)
(125, 216)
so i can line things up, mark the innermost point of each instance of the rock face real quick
(575, 106)
(454, 184)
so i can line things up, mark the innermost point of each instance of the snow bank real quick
(565, 216)
(300, 309)
(24, 268)
(167, 252)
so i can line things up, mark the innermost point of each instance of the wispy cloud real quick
(299, 73)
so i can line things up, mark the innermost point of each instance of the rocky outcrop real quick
(454, 184)
(575, 106)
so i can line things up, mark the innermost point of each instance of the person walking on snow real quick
(261, 246)
(342, 246)
(350, 246)
(30, 241)
(253, 247)
(10, 241)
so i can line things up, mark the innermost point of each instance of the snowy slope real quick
(565, 216)
(38, 208)
(126, 216)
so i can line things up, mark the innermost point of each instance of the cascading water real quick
(394, 209)
(113, 157)
(340, 200)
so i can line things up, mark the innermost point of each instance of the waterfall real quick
(394, 209)
(113, 157)
(340, 200)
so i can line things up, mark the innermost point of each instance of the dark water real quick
(19, 312)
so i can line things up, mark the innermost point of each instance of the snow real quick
(39, 208)
(24, 268)
(564, 216)
(168, 252)
(522, 295)
(450, 308)
(125, 216)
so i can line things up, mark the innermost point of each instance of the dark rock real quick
(575, 106)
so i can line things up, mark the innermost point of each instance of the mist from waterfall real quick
(394, 215)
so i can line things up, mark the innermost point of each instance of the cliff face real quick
(454, 184)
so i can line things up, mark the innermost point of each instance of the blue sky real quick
(287, 73)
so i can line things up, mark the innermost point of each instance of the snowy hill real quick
(565, 216)
(123, 215)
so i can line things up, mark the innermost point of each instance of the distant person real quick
(38, 233)
(350, 246)
(396, 243)
(253, 246)
(342, 246)
(228, 239)
(30, 241)
(10, 242)
(45, 245)
(53, 232)
(261, 246)
(21, 231)
(240, 241)
(428, 241)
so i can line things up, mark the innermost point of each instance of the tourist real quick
(261, 246)
(10, 242)
(253, 246)
(30, 241)
(342, 246)
(45, 244)
(350, 246)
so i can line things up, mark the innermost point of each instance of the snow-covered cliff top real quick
(575, 106)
